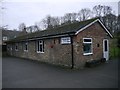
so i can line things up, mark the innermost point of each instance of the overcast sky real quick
(31, 11)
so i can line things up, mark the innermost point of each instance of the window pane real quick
(26, 47)
(16, 47)
(40, 42)
(4, 38)
(65, 40)
(87, 40)
(87, 48)
(106, 46)
(38, 46)
(43, 46)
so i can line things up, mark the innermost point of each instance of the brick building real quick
(70, 45)
(7, 35)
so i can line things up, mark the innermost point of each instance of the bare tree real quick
(37, 26)
(74, 17)
(118, 24)
(106, 15)
(55, 21)
(108, 18)
(110, 21)
(107, 10)
(50, 22)
(32, 28)
(43, 24)
(84, 14)
(97, 10)
(47, 22)
(67, 18)
(29, 29)
(62, 20)
(22, 28)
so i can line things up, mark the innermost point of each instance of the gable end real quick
(92, 24)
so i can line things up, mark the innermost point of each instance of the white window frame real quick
(88, 43)
(16, 44)
(11, 47)
(41, 42)
(5, 38)
(26, 43)
(65, 40)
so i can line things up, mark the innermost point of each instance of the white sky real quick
(31, 11)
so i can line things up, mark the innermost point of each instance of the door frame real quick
(107, 52)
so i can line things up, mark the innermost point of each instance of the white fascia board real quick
(105, 29)
(92, 24)
(85, 27)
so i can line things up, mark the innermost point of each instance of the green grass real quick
(114, 52)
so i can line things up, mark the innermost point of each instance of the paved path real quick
(22, 73)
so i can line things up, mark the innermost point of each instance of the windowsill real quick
(87, 53)
(16, 50)
(65, 43)
(25, 50)
(39, 52)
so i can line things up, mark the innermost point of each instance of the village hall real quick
(70, 45)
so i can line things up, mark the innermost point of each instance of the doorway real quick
(106, 49)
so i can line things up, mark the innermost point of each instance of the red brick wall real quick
(97, 33)
(57, 54)
(61, 54)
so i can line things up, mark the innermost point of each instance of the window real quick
(16, 47)
(8, 48)
(87, 46)
(26, 46)
(14, 36)
(11, 47)
(40, 46)
(65, 40)
(106, 47)
(4, 38)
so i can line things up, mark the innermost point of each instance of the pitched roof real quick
(10, 33)
(61, 30)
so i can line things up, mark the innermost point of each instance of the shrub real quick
(103, 60)
(95, 62)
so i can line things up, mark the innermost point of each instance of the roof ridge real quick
(62, 29)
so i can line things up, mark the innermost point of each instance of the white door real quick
(106, 49)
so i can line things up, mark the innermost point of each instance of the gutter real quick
(43, 37)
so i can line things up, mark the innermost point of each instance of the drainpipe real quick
(72, 61)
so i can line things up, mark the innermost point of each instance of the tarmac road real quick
(23, 73)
